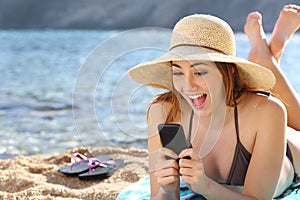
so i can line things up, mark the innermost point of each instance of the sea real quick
(61, 89)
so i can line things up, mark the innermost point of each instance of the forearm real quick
(162, 194)
(165, 190)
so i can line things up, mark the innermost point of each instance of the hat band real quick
(196, 45)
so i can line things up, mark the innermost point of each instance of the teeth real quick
(195, 96)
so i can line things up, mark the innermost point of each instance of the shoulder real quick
(270, 106)
(159, 110)
(263, 104)
(266, 111)
(157, 114)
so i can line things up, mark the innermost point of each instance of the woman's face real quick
(201, 85)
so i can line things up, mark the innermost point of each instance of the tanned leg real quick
(260, 53)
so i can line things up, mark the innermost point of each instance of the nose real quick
(191, 82)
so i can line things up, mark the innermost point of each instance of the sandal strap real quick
(77, 155)
(94, 163)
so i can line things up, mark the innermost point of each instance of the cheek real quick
(216, 87)
(178, 83)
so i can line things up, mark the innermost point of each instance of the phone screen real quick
(172, 137)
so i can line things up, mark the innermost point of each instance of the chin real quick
(203, 113)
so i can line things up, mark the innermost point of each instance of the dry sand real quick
(36, 177)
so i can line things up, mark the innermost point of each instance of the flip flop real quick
(101, 170)
(82, 166)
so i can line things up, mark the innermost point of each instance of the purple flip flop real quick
(81, 166)
(101, 170)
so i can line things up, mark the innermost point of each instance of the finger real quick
(194, 164)
(189, 153)
(166, 172)
(191, 180)
(167, 180)
(190, 172)
(191, 176)
(164, 164)
(186, 152)
(168, 152)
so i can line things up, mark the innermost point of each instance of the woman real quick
(237, 131)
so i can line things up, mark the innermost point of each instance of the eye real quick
(177, 73)
(200, 73)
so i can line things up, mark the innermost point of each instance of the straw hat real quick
(203, 38)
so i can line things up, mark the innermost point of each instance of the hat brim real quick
(158, 73)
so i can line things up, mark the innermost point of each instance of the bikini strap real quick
(190, 130)
(236, 123)
(290, 157)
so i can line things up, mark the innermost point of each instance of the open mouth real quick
(198, 100)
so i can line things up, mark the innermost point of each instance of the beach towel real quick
(141, 191)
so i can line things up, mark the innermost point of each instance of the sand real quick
(36, 177)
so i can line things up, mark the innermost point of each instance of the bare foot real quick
(287, 24)
(256, 35)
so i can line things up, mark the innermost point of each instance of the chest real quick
(218, 148)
